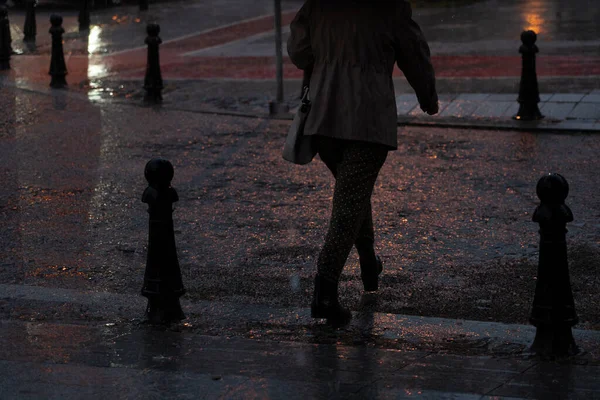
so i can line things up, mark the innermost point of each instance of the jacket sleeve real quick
(298, 45)
(413, 55)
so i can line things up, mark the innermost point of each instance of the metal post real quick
(5, 49)
(553, 312)
(163, 285)
(58, 67)
(278, 106)
(153, 82)
(278, 51)
(30, 27)
(529, 94)
(84, 16)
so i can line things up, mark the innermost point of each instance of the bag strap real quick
(305, 97)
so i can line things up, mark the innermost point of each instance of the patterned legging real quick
(355, 166)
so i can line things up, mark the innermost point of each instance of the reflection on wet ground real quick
(138, 361)
(453, 209)
(115, 43)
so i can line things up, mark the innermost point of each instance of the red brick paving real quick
(445, 66)
(131, 64)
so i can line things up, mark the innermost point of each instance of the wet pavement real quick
(226, 350)
(211, 39)
(453, 209)
(161, 364)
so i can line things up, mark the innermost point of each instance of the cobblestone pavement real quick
(453, 209)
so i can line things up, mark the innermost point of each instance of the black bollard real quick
(30, 28)
(553, 312)
(162, 280)
(529, 94)
(84, 16)
(143, 5)
(153, 83)
(58, 68)
(5, 47)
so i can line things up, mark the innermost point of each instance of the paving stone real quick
(473, 96)
(503, 97)
(556, 110)
(586, 111)
(552, 380)
(591, 98)
(566, 97)
(406, 107)
(544, 96)
(445, 376)
(447, 97)
(492, 108)
(394, 392)
(417, 112)
(266, 388)
(406, 98)
(68, 381)
(512, 110)
(460, 108)
(576, 125)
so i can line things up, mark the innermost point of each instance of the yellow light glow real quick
(534, 20)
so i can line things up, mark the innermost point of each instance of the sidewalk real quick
(106, 351)
(229, 52)
(563, 112)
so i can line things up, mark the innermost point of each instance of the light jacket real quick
(351, 47)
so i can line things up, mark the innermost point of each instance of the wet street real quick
(216, 39)
(452, 207)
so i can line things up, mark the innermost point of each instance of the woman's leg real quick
(366, 239)
(331, 153)
(357, 171)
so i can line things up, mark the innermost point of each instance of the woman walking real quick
(350, 46)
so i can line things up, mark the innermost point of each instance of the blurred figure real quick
(350, 47)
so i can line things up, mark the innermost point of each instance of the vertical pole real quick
(278, 106)
(278, 51)
(5, 48)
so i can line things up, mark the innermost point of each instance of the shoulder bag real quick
(300, 149)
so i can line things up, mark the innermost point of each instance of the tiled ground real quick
(556, 106)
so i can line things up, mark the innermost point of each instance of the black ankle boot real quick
(370, 275)
(325, 302)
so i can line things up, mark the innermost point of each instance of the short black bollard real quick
(153, 83)
(5, 46)
(529, 94)
(162, 280)
(84, 16)
(58, 68)
(553, 312)
(143, 5)
(30, 28)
